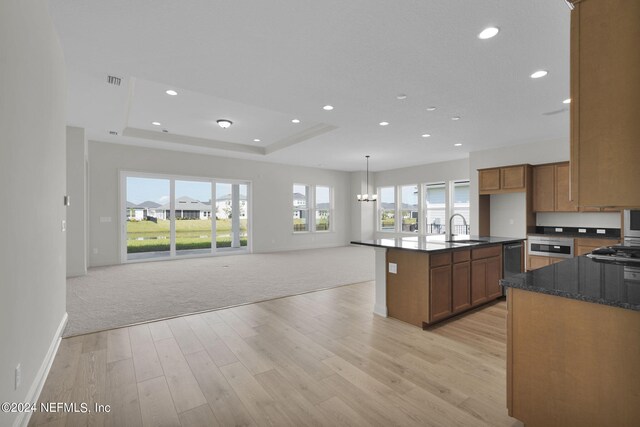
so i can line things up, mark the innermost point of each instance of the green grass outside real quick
(190, 234)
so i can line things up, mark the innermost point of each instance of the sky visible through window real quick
(140, 190)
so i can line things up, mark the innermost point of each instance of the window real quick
(323, 208)
(461, 206)
(300, 207)
(387, 197)
(435, 208)
(409, 207)
(312, 208)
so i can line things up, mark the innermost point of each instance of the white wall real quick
(76, 213)
(579, 219)
(32, 177)
(272, 195)
(510, 207)
(434, 172)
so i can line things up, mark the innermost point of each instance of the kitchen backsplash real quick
(579, 219)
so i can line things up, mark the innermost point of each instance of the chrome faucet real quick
(449, 233)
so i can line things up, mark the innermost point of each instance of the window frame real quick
(312, 209)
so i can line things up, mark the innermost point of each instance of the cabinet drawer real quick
(438, 260)
(461, 256)
(486, 252)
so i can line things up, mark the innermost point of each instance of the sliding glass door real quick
(166, 216)
(193, 217)
(148, 230)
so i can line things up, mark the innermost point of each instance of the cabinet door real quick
(605, 64)
(554, 260)
(461, 286)
(493, 276)
(489, 180)
(535, 262)
(478, 281)
(512, 178)
(440, 293)
(543, 188)
(563, 204)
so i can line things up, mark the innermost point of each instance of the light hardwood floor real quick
(320, 358)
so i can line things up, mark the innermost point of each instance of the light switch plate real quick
(558, 229)
(393, 268)
(582, 230)
(601, 231)
(105, 219)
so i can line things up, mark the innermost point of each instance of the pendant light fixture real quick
(366, 197)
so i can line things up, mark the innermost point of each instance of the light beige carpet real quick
(110, 297)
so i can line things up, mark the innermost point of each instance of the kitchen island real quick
(423, 280)
(573, 344)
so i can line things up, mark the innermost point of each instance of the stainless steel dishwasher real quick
(511, 260)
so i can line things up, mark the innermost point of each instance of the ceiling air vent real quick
(552, 113)
(113, 80)
(113, 132)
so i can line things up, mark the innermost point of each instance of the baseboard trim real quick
(43, 372)
(380, 310)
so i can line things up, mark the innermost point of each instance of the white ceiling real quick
(262, 64)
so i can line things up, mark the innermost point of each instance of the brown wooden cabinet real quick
(486, 271)
(536, 261)
(551, 188)
(605, 97)
(440, 293)
(461, 284)
(507, 179)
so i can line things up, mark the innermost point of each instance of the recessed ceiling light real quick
(328, 107)
(567, 101)
(156, 123)
(402, 96)
(488, 32)
(295, 121)
(384, 123)
(431, 109)
(455, 118)
(457, 145)
(224, 123)
(171, 92)
(538, 74)
(426, 135)
(256, 140)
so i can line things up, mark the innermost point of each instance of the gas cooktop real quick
(628, 255)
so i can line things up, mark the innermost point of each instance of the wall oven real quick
(556, 247)
(632, 223)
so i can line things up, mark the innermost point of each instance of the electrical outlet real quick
(64, 225)
(393, 268)
(105, 219)
(18, 375)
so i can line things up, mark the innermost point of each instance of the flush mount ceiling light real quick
(366, 197)
(295, 121)
(538, 74)
(384, 123)
(171, 92)
(156, 123)
(488, 32)
(431, 108)
(224, 123)
(401, 96)
(567, 101)
(328, 107)
(455, 118)
(426, 135)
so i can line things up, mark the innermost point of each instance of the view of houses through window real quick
(432, 207)
(317, 200)
(171, 217)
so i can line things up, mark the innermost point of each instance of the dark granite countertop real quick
(434, 243)
(584, 279)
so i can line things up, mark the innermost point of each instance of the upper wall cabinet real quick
(508, 179)
(605, 103)
(551, 188)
